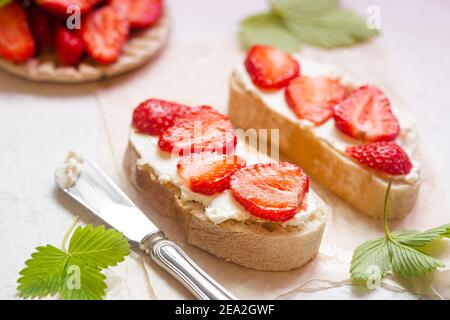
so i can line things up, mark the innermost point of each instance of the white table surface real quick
(39, 123)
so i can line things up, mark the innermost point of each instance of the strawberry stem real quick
(68, 232)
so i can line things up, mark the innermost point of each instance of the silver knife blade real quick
(104, 198)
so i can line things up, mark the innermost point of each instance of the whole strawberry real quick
(69, 46)
(386, 157)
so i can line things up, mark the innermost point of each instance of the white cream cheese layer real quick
(328, 131)
(220, 207)
(67, 173)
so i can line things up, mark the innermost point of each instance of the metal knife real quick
(103, 197)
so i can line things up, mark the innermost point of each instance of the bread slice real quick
(257, 245)
(361, 187)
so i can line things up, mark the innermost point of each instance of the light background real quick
(40, 122)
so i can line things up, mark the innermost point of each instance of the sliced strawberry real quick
(313, 98)
(202, 129)
(270, 68)
(208, 173)
(386, 157)
(69, 46)
(154, 116)
(59, 7)
(141, 14)
(40, 25)
(105, 31)
(366, 115)
(16, 41)
(271, 191)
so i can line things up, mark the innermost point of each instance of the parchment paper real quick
(197, 73)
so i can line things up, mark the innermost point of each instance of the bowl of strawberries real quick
(79, 40)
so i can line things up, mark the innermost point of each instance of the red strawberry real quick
(141, 14)
(272, 191)
(69, 46)
(16, 41)
(386, 157)
(59, 7)
(105, 31)
(40, 25)
(154, 116)
(270, 68)
(366, 115)
(208, 173)
(202, 129)
(313, 98)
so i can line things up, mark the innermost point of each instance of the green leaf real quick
(334, 29)
(83, 282)
(5, 2)
(44, 273)
(98, 247)
(408, 263)
(418, 239)
(396, 250)
(366, 256)
(302, 9)
(268, 29)
(75, 274)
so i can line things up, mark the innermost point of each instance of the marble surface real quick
(39, 123)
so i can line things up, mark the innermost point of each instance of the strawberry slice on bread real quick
(16, 40)
(272, 191)
(366, 115)
(270, 68)
(313, 98)
(202, 129)
(154, 116)
(385, 157)
(208, 173)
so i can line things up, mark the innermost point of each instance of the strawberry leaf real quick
(331, 30)
(418, 239)
(369, 254)
(44, 273)
(75, 274)
(98, 247)
(267, 29)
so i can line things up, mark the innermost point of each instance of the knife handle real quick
(173, 259)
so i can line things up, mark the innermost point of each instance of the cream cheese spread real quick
(67, 173)
(220, 207)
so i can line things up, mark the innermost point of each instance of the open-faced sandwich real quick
(230, 200)
(79, 40)
(345, 134)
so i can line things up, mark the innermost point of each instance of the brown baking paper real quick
(197, 73)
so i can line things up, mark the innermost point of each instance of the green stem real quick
(68, 232)
(385, 212)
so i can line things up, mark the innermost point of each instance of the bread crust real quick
(268, 247)
(353, 183)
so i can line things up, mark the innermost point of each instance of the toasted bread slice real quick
(252, 244)
(361, 187)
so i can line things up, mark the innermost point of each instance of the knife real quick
(103, 197)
